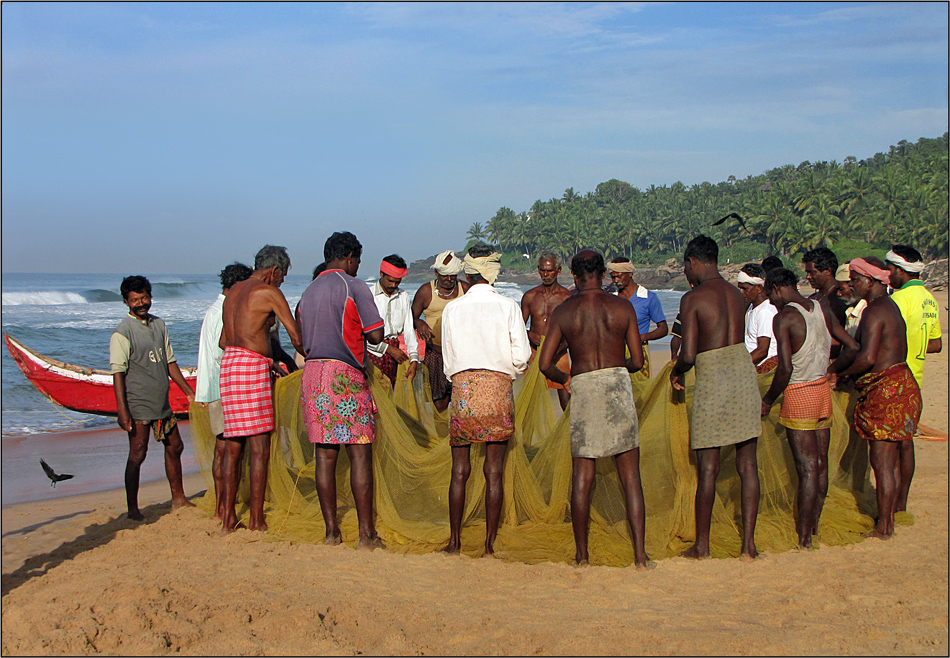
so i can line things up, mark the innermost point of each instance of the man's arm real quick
(419, 302)
(119, 349)
(520, 346)
(662, 328)
(121, 403)
(546, 362)
(281, 309)
(783, 372)
(849, 346)
(688, 344)
(279, 354)
(175, 373)
(634, 342)
(934, 345)
(761, 350)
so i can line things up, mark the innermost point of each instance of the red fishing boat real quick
(85, 390)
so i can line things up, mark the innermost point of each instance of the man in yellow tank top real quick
(430, 301)
(921, 315)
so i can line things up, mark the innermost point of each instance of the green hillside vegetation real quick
(858, 207)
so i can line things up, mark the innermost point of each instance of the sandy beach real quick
(80, 579)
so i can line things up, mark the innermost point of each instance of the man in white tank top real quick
(803, 329)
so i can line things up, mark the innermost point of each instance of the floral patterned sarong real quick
(889, 404)
(386, 364)
(482, 407)
(337, 405)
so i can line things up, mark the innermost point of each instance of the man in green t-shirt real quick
(921, 315)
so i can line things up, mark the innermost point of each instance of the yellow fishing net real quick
(412, 464)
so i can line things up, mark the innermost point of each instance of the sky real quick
(179, 137)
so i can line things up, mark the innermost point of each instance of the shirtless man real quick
(430, 301)
(803, 331)
(889, 401)
(248, 313)
(726, 401)
(597, 327)
(537, 306)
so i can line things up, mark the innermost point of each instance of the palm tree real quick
(476, 232)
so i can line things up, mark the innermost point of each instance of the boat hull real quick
(85, 390)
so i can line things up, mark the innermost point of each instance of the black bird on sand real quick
(732, 215)
(52, 475)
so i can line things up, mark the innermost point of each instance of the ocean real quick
(71, 317)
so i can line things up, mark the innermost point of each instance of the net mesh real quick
(412, 468)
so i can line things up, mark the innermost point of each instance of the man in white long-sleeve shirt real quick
(484, 347)
(395, 308)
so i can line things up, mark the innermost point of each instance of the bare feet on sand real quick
(877, 534)
(645, 566)
(225, 531)
(451, 548)
(178, 504)
(580, 563)
(135, 516)
(370, 544)
(694, 553)
(333, 540)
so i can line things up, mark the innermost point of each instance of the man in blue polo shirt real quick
(645, 302)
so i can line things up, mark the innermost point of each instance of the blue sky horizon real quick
(180, 137)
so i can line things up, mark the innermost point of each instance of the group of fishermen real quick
(476, 341)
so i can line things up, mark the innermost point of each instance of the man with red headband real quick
(395, 308)
(889, 403)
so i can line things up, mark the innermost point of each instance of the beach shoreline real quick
(79, 578)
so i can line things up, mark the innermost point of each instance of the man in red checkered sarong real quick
(248, 313)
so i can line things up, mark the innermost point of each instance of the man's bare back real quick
(596, 326)
(248, 313)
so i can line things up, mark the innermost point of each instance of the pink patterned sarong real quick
(337, 405)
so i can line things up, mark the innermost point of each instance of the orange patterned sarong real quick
(889, 404)
(807, 406)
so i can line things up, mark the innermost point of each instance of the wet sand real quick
(79, 579)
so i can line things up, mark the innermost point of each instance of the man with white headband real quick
(922, 318)
(645, 302)
(485, 346)
(889, 404)
(396, 310)
(429, 302)
(759, 339)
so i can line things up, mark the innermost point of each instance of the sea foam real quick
(45, 298)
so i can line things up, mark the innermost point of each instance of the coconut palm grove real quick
(855, 206)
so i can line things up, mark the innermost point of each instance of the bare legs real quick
(906, 464)
(442, 403)
(884, 461)
(494, 493)
(823, 439)
(260, 459)
(805, 450)
(361, 482)
(628, 468)
(563, 397)
(138, 448)
(707, 467)
(217, 474)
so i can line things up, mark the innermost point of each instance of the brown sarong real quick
(482, 407)
(603, 415)
(889, 404)
(726, 400)
(161, 427)
(440, 385)
(385, 363)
